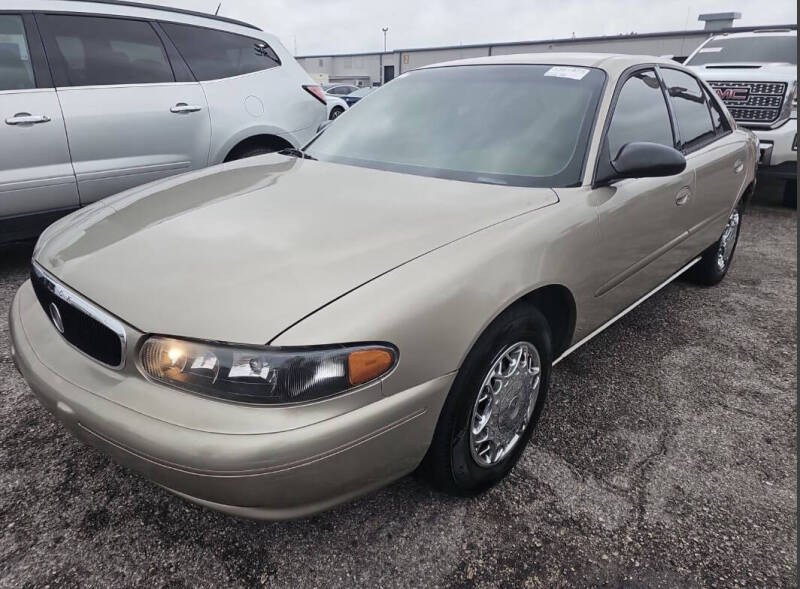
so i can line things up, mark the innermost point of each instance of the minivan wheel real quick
(251, 152)
(493, 405)
(716, 260)
(336, 112)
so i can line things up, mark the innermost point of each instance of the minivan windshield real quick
(517, 125)
(756, 49)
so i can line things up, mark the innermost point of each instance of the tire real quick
(716, 260)
(453, 464)
(790, 194)
(336, 112)
(251, 152)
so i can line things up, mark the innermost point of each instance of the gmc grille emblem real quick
(733, 94)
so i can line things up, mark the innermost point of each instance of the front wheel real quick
(716, 260)
(336, 112)
(493, 405)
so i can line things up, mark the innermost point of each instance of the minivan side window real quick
(691, 109)
(640, 114)
(213, 55)
(101, 51)
(16, 71)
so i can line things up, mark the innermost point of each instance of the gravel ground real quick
(666, 456)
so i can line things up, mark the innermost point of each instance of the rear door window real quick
(213, 55)
(718, 118)
(691, 109)
(16, 71)
(640, 114)
(100, 51)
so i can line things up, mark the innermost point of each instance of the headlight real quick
(262, 375)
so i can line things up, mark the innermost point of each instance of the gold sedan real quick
(273, 336)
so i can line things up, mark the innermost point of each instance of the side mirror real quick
(642, 159)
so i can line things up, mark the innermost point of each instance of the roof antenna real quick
(217, 11)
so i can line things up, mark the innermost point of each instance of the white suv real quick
(755, 74)
(99, 97)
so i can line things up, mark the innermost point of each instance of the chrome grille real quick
(83, 325)
(752, 102)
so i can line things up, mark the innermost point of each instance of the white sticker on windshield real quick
(561, 71)
(710, 50)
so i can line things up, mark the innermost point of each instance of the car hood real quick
(747, 72)
(242, 251)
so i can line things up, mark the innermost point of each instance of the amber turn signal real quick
(366, 365)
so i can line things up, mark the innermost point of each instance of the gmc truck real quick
(755, 75)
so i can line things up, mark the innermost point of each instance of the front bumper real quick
(778, 149)
(273, 475)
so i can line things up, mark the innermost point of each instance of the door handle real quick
(683, 197)
(24, 118)
(182, 107)
(738, 166)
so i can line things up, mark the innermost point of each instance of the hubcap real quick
(728, 241)
(505, 403)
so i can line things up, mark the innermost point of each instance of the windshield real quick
(519, 125)
(761, 49)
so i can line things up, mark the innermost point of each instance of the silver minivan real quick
(98, 97)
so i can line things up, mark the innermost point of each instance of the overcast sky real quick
(342, 26)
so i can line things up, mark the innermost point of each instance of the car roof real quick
(611, 62)
(122, 7)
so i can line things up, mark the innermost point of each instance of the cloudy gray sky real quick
(340, 26)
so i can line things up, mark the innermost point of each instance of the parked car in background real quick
(351, 99)
(96, 98)
(339, 89)
(336, 107)
(755, 74)
(281, 334)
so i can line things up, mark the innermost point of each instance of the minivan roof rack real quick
(171, 9)
(773, 31)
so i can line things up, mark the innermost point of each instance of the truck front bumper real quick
(778, 151)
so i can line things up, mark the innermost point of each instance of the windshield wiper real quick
(291, 151)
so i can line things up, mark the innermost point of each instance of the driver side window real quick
(640, 114)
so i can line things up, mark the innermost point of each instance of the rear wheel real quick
(336, 112)
(493, 405)
(790, 194)
(251, 152)
(716, 260)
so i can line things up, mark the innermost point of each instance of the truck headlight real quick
(263, 375)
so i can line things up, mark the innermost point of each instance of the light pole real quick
(385, 30)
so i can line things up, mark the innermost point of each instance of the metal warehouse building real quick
(368, 69)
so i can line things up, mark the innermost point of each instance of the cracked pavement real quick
(666, 456)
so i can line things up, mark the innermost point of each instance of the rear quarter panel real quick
(269, 102)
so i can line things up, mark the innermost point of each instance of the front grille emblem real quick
(734, 94)
(55, 315)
